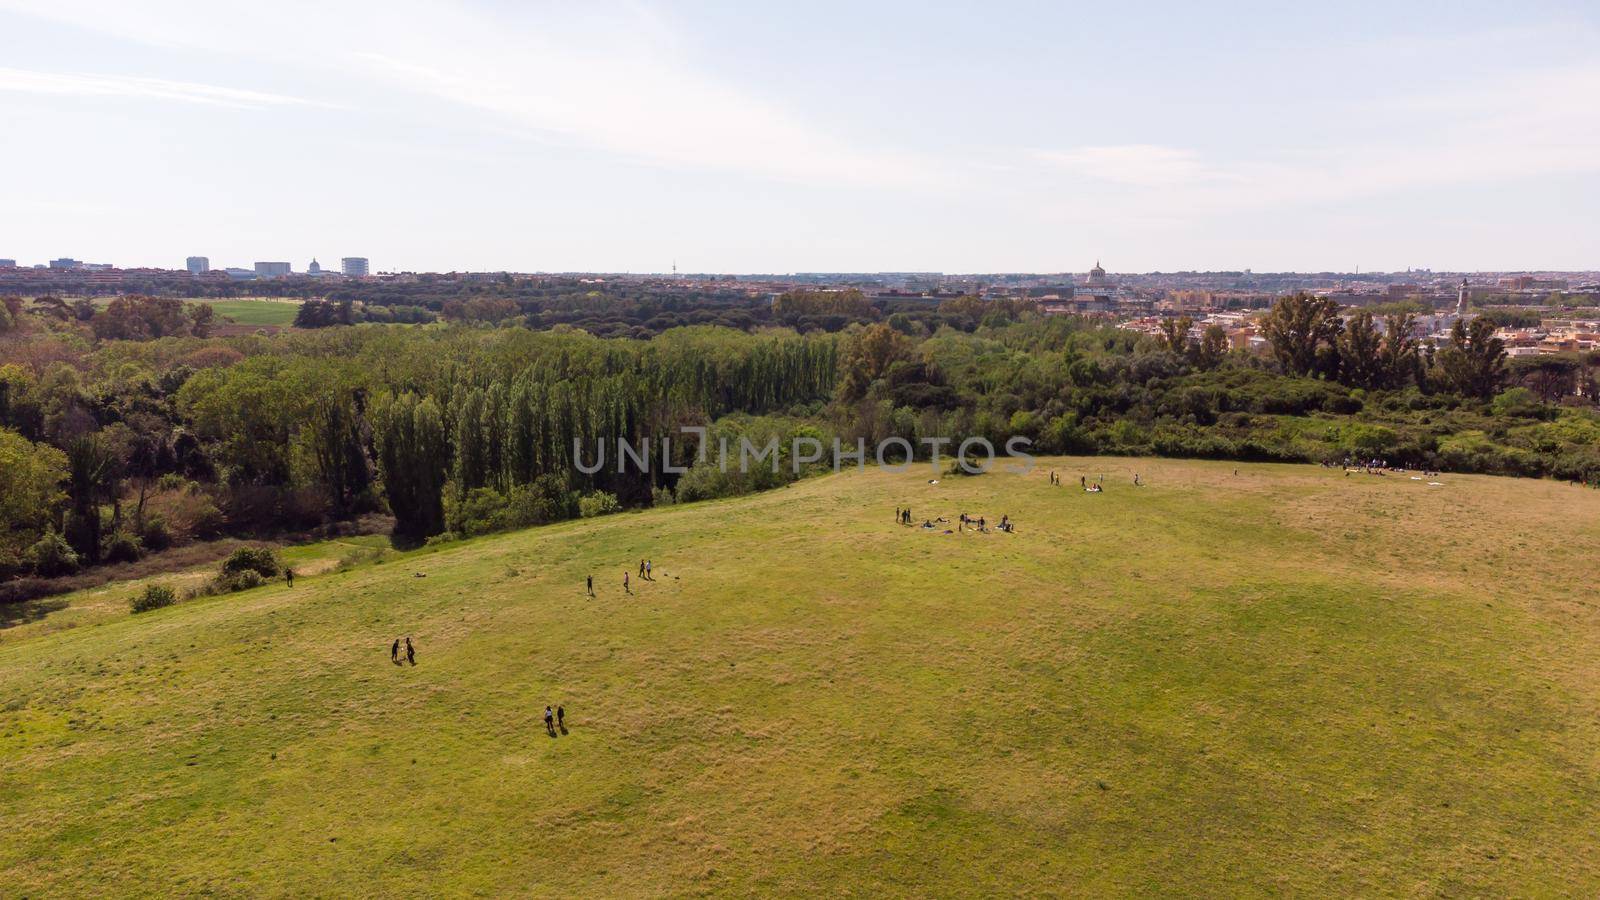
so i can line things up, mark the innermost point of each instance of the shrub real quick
(261, 560)
(445, 537)
(154, 534)
(52, 555)
(662, 496)
(241, 581)
(1517, 401)
(123, 547)
(481, 511)
(154, 596)
(599, 503)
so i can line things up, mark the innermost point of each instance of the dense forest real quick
(128, 428)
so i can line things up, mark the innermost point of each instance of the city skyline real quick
(360, 266)
(470, 136)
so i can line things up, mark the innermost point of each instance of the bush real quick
(154, 596)
(261, 560)
(662, 496)
(598, 503)
(481, 511)
(154, 534)
(241, 581)
(1517, 401)
(123, 547)
(442, 538)
(51, 555)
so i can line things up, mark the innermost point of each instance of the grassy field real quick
(256, 312)
(279, 311)
(1280, 681)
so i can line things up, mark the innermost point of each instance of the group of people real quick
(394, 651)
(555, 720)
(1098, 485)
(646, 573)
(963, 522)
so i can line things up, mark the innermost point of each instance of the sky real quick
(822, 136)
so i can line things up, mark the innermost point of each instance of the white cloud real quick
(613, 78)
(85, 85)
(1535, 123)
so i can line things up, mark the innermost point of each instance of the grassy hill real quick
(1283, 680)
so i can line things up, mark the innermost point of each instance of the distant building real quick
(65, 263)
(197, 265)
(272, 269)
(354, 266)
(315, 268)
(1097, 293)
(8, 264)
(238, 274)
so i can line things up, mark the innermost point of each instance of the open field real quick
(1280, 681)
(256, 312)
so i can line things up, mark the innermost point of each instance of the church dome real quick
(314, 268)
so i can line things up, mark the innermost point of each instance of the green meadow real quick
(1237, 679)
(256, 312)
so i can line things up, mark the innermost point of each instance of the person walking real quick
(394, 652)
(288, 575)
(411, 652)
(625, 588)
(561, 717)
(590, 585)
(549, 722)
(649, 570)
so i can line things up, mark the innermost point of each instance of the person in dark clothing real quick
(641, 568)
(561, 717)
(625, 588)
(411, 652)
(394, 652)
(288, 575)
(591, 585)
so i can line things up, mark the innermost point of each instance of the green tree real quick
(1175, 334)
(92, 479)
(333, 434)
(31, 476)
(413, 457)
(1361, 353)
(1474, 364)
(868, 356)
(1298, 327)
(1401, 360)
(1213, 347)
(201, 315)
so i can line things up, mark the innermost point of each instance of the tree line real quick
(119, 441)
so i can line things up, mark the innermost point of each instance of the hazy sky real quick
(748, 136)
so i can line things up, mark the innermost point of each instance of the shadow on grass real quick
(14, 614)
